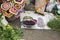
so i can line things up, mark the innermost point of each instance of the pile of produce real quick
(29, 21)
(55, 23)
(10, 33)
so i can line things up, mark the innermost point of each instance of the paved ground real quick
(41, 35)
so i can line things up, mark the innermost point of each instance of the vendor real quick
(56, 9)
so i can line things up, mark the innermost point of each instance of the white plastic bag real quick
(4, 21)
(50, 5)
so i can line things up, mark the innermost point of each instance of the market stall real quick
(41, 14)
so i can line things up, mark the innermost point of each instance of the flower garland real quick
(12, 7)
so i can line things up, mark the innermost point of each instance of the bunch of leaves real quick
(10, 33)
(55, 23)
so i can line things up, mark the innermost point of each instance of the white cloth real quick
(46, 19)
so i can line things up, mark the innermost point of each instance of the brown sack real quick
(40, 6)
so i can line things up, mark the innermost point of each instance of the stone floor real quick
(41, 35)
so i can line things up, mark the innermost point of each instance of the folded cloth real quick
(40, 22)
